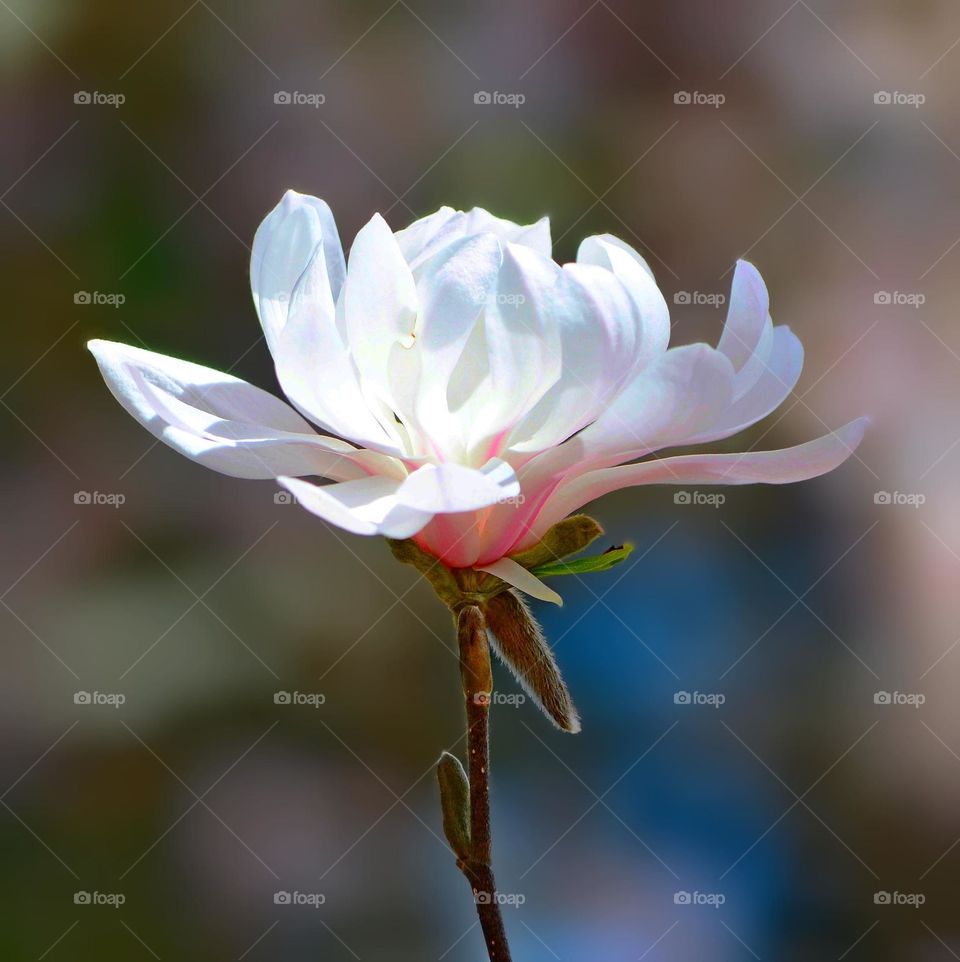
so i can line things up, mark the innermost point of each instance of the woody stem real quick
(477, 678)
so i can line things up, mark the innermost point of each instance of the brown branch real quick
(475, 672)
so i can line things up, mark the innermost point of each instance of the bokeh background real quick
(796, 803)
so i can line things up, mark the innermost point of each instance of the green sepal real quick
(455, 802)
(564, 538)
(581, 566)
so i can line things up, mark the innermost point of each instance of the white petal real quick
(413, 240)
(379, 306)
(283, 247)
(613, 323)
(785, 466)
(453, 289)
(746, 316)
(592, 252)
(451, 488)
(523, 353)
(368, 506)
(653, 315)
(315, 368)
(223, 422)
(598, 329)
(506, 569)
(426, 237)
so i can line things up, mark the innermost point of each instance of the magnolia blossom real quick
(461, 388)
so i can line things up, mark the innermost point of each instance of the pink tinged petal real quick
(774, 385)
(677, 396)
(506, 569)
(746, 316)
(315, 368)
(368, 506)
(452, 488)
(284, 245)
(223, 422)
(454, 538)
(785, 466)
(748, 375)
(379, 306)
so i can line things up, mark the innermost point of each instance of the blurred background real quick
(770, 761)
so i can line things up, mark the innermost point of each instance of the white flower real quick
(470, 391)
